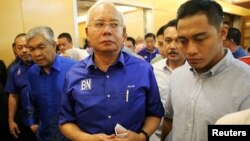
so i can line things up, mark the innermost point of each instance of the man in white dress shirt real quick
(163, 68)
(214, 84)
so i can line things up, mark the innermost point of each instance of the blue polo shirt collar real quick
(119, 62)
(56, 64)
(155, 50)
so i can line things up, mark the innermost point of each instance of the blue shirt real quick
(45, 97)
(96, 101)
(147, 55)
(17, 83)
(239, 53)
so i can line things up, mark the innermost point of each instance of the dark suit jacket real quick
(3, 73)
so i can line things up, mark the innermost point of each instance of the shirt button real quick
(189, 125)
(192, 101)
(109, 117)
(107, 76)
(108, 96)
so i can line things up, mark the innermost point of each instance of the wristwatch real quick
(145, 134)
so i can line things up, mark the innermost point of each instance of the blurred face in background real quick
(21, 50)
(139, 40)
(129, 44)
(227, 43)
(171, 49)
(64, 44)
(160, 41)
(150, 43)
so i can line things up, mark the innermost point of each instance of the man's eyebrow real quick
(199, 34)
(193, 36)
(40, 44)
(166, 38)
(181, 36)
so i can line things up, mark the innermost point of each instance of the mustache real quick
(172, 52)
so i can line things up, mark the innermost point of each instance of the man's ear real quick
(223, 31)
(87, 33)
(54, 45)
(124, 33)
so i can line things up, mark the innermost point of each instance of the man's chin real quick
(40, 63)
(27, 59)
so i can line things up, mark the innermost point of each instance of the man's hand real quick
(14, 130)
(104, 137)
(131, 136)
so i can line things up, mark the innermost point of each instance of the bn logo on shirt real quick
(86, 84)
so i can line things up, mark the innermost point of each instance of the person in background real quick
(139, 44)
(4, 128)
(150, 51)
(248, 50)
(160, 42)
(163, 68)
(86, 44)
(110, 86)
(46, 79)
(139, 40)
(67, 49)
(128, 47)
(76, 54)
(159, 37)
(57, 50)
(232, 42)
(64, 42)
(3, 73)
(17, 87)
(130, 43)
(13, 62)
(203, 92)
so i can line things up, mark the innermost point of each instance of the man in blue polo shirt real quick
(46, 80)
(232, 42)
(17, 88)
(150, 52)
(109, 87)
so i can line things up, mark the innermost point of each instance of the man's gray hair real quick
(104, 2)
(44, 31)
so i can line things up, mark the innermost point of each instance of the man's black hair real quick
(149, 35)
(17, 36)
(131, 39)
(211, 9)
(171, 23)
(234, 34)
(160, 31)
(65, 35)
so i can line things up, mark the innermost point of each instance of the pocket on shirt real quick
(135, 103)
(87, 99)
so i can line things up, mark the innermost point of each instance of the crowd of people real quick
(167, 86)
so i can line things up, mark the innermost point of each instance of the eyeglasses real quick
(100, 25)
